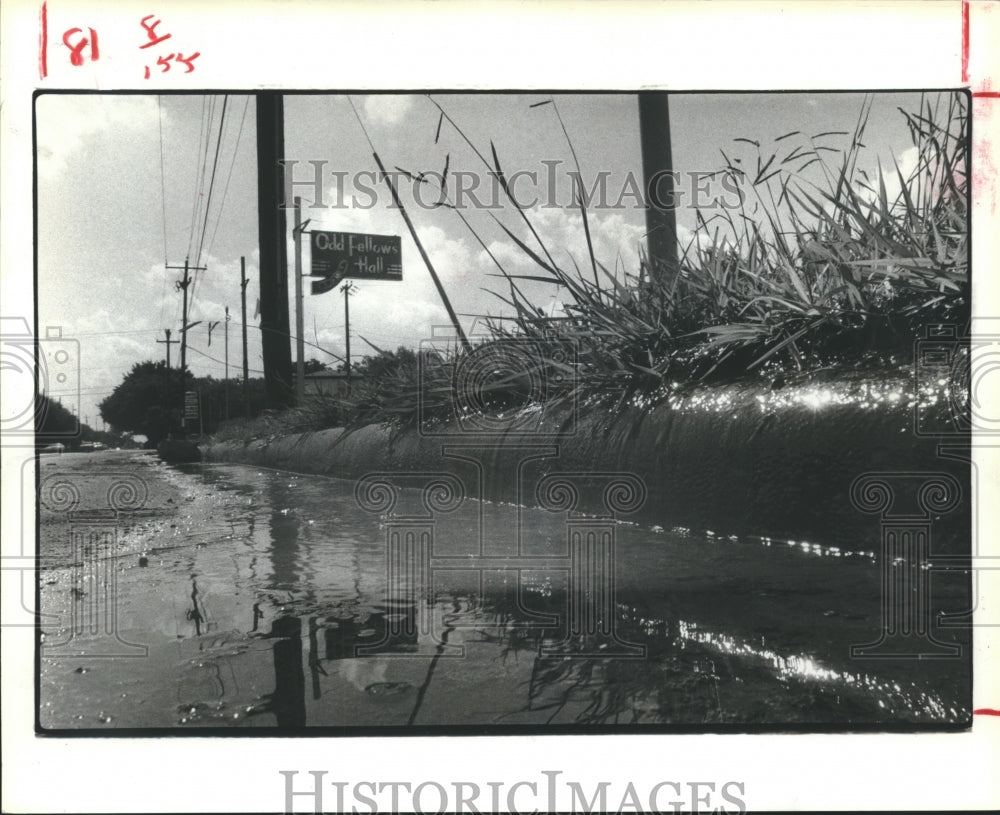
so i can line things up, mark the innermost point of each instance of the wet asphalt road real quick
(232, 596)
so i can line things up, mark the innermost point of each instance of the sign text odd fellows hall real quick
(339, 255)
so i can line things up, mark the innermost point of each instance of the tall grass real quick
(811, 270)
(802, 274)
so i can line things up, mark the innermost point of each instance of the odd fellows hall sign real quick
(339, 255)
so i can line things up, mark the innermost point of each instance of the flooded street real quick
(235, 596)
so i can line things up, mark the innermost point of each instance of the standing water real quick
(245, 597)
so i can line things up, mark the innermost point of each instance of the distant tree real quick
(314, 366)
(147, 401)
(385, 363)
(54, 423)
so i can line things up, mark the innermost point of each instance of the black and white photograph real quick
(383, 391)
(505, 411)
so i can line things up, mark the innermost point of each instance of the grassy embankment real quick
(804, 276)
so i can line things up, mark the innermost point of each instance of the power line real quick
(232, 164)
(211, 183)
(163, 203)
(219, 361)
(208, 200)
(114, 333)
(363, 128)
(203, 169)
(197, 175)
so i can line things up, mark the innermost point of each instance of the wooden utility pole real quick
(227, 364)
(273, 257)
(300, 365)
(657, 166)
(183, 286)
(246, 363)
(348, 289)
(168, 343)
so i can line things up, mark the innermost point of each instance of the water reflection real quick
(258, 615)
(690, 675)
(287, 701)
(194, 613)
(731, 634)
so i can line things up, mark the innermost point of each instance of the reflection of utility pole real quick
(183, 286)
(168, 342)
(348, 289)
(246, 364)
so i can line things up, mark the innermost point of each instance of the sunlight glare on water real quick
(263, 601)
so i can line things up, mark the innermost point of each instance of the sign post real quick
(192, 407)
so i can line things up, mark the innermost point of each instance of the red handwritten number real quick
(76, 49)
(188, 60)
(151, 31)
(164, 60)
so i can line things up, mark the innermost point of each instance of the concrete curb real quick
(744, 460)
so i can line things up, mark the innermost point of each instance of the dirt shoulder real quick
(131, 491)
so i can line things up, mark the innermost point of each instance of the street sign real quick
(339, 255)
(191, 410)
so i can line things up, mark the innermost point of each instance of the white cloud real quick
(615, 241)
(907, 162)
(66, 123)
(387, 109)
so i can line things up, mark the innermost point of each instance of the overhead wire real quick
(363, 128)
(197, 175)
(200, 198)
(211, 183)
(220, 361)
(208, 200)
(163, 204)
(232, 163)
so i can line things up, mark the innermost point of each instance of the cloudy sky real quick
(125, 187)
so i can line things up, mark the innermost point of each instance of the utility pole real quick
(348, 289)
(183, 286)
(246, 364)
(657, 170)
(273, 258)
(227, 364)
(300, 365)
(168, 342)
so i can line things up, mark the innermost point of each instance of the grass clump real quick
(834, 268)
(802, 275)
